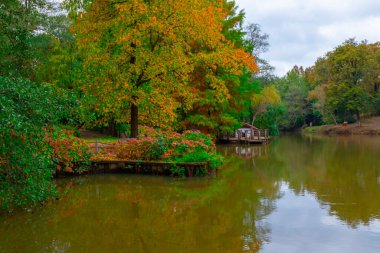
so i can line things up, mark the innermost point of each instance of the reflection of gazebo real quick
(247, 152)
(248, 134)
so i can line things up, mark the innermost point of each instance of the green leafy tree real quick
(270, 119)
(59, 63)
(260, 103)
(349, 77)
(294, 90)
(22, 36)
(27, 110)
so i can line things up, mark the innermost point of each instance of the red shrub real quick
(68, 151)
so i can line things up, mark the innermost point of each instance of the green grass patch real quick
(313, 129)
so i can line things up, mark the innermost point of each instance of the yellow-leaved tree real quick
(139, 57)
(260, 102)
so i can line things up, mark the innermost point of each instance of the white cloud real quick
(366, 28)
(302, 30)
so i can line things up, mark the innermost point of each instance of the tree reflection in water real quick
(150, 214)
(342, 172)
(229, 213)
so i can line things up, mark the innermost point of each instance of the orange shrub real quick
(191, 146)
(135, 149)
(69, 153)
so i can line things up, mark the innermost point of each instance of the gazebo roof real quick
(246, 125)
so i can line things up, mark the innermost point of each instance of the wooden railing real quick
(250, 135)
(145, 167)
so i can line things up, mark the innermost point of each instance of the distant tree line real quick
(342, 86)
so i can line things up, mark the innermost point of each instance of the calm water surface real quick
(294, 195)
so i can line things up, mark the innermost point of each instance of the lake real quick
(297, 194)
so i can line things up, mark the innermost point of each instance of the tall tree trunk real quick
(254, 118)
(134, 121)
(112, 128)
(358, 118)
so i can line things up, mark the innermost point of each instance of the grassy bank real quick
(369, 126)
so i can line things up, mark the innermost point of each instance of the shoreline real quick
(369, 127)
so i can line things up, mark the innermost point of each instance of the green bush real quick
(26, 166)
(191, 146)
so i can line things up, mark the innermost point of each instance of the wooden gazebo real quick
(246, 134)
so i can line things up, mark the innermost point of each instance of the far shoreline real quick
(368, 127)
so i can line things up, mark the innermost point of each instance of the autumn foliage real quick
(69, 153)
(161, 63)
(135, 149)
(190, 146)
(143, 57)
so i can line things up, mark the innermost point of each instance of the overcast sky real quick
(302, 30)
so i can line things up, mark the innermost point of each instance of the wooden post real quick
(259, 135)
(96, 146)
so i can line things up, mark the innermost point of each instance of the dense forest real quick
(170, 65)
